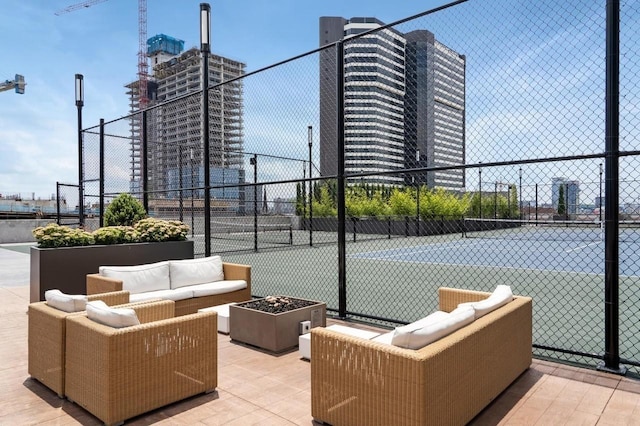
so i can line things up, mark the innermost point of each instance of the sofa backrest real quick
(140, 278)
(187, 272)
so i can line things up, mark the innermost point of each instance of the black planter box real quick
(66, 268)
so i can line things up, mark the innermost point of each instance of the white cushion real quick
(178, 294)
(385, 338)
(218, 287)
(195, 271)
(98, 311)
(140, 278)
(421, 333)
(65, 302)
(500, 297)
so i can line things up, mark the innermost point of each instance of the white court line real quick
(427, 248)
(581, 247)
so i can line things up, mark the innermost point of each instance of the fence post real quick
(611, 361)
(101, 183)
(254, 162)
(310, 139)
(58, 203)
(342, 251)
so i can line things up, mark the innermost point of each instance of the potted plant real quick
(65, 256)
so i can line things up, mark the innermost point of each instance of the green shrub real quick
(156, 230)
(124, 210)
(54, 235)
(402, 202)
(116, 235)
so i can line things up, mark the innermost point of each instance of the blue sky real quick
(535, 76)
(38, 138)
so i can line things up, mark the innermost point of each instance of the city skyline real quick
(534, 81)
(38, 136)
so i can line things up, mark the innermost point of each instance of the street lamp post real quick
(205, 46)
(304, 190)
(520, 195)
(79, 105)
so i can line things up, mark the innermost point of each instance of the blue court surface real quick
(565, 256)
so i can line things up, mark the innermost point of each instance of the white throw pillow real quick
(140, 278)
(431, 329)
(65, 302)
(195, 271)
(98, 311)
(500, 297)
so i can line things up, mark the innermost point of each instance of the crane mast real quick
(143, 67)
(142, 55)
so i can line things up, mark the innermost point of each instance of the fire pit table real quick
(274, 322)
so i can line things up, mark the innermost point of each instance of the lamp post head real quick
(79, 90)
(205, 27)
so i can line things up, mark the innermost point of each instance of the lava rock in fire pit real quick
(277, 304)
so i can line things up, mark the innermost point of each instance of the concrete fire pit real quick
(273, 323)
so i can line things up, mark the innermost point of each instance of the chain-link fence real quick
(462, 147)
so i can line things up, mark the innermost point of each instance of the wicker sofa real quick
(192, 283)
(356, 381)
(119, 373)
(46, 339)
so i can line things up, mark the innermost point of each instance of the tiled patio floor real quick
(262, 389)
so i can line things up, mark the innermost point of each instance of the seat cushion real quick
(385, 338)
(435, 326)
(65, 302)
(178, 294)
(500, 297)
(140, 278)
(188, 272)
(218, 287)
(98, 311)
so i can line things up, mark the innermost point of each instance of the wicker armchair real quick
(448, 382)
(47, 339)
(119, 373)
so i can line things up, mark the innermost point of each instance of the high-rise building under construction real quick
(174, 121)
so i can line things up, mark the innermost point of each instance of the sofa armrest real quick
(449, 298)
(359, 381)
(153, 311)
(96, 283)
(236, 271)
(111, 298)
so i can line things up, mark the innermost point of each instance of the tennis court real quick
(568, 247)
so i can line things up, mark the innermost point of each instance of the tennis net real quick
(265, 233)
(565, 230)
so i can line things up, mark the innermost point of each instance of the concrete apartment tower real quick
(571, 191)
(404, 103)
(175, 128)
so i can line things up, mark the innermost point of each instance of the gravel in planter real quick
(277, 304)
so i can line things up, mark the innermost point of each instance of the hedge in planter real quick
(65, 256)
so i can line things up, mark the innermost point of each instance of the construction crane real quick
(143, 66)
(17, 84)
